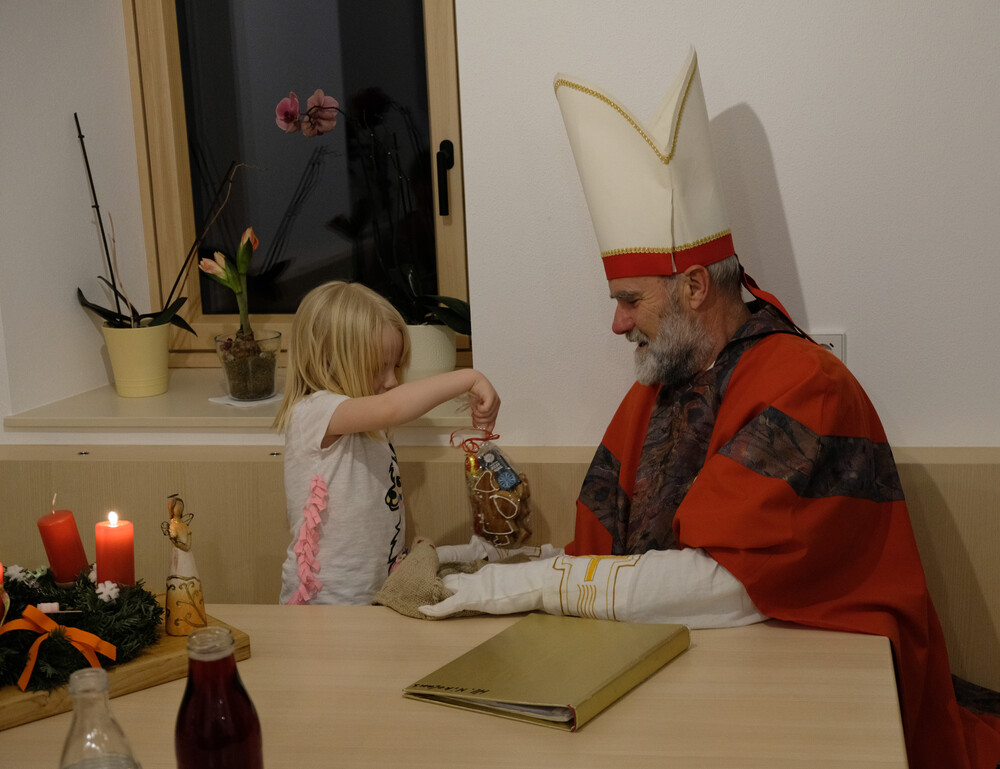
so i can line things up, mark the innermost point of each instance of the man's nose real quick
(622, 322)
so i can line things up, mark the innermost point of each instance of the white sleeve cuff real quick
(687, 587)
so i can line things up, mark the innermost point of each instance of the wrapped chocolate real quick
(498, 494)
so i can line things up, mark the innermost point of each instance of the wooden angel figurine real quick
(185, 606)
(4, 598)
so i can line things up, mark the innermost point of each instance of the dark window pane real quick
(351, 204)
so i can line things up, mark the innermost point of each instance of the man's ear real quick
(696, 285)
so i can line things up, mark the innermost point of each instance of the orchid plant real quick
(319, 118)
(234, 276)
(128, 316)
(395, 199)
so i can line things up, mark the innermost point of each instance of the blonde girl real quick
(347, 351)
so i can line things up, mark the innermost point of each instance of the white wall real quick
(57, 58)
(856, 142)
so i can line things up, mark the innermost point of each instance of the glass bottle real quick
(217, 725)
(95, 740)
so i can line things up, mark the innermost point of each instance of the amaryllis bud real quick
(216, 267)
(248, 234)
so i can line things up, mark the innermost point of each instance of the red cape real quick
(836, 562)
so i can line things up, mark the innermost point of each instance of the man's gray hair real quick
(725, 275)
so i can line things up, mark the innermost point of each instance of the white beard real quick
(678, 353)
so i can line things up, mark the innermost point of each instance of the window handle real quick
(445, 161)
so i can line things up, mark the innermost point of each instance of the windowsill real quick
(185, 406)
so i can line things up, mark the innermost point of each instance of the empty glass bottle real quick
(95, 740)
(217, 724)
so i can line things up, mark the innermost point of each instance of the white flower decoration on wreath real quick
(107, 591)
(20, 574)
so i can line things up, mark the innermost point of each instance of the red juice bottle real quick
(217, 725)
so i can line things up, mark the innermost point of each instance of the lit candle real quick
(115, 551)
(62, 544)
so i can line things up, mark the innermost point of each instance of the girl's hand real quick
(484, 403)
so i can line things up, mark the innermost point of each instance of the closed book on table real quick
(553, 671)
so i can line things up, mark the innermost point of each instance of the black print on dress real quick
(605, 498)
(394, 496)
(815, 466)
(391, 561)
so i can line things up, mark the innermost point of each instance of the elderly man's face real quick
(641, 303)
(671, 346)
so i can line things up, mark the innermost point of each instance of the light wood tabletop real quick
(327, 683)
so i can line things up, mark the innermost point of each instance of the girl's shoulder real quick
(315, 405)
(323, 398)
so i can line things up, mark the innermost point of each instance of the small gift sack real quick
(499, 495)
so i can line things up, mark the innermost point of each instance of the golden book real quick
(553, 671)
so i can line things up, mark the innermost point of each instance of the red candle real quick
(115, 551)
(62, 545)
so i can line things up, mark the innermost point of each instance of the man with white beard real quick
(745, 475)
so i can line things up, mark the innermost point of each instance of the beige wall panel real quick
(236, 495)
(241, 533)
(954, 501)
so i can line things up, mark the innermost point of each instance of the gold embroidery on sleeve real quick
(590, 584)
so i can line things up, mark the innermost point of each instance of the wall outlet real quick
(832, 342)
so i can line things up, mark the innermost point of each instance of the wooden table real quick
(327, 684)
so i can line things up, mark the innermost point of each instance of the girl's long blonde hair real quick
(336, 344)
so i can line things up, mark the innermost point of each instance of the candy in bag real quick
(498, 494)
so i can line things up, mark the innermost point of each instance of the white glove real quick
(501, 588)
(480, 549)
(681, 586)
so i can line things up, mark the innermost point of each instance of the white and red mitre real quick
(652, 188)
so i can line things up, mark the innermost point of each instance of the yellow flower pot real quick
(139, 359)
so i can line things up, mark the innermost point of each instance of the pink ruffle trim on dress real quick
(307, 547)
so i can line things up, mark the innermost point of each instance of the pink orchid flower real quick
(286, 114)
(322, 114)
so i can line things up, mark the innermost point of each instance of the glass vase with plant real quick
(249, 359)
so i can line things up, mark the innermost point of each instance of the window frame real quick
(165, 178)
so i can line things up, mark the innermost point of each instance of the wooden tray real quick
(166, 660)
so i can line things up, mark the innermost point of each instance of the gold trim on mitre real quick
(665, 202)
(665, 249)
(665, 159)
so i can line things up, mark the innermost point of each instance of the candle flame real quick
(113, 518)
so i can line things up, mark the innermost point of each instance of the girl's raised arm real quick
(408, 401)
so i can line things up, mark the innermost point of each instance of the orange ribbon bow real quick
(35, 620)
